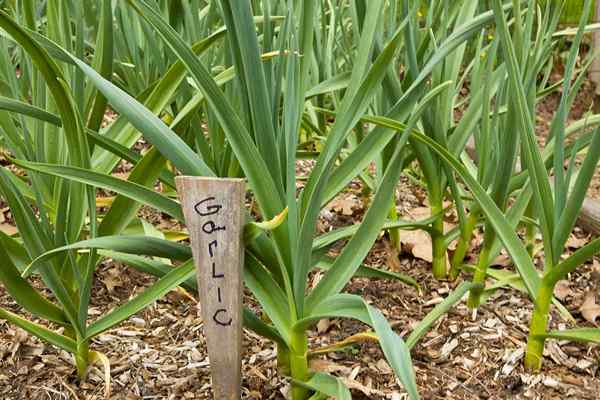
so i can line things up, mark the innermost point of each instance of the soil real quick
(160, 352)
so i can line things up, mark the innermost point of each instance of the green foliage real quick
(572, 10)
(245, 89)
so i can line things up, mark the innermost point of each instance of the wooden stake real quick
(595, 68)
(214, 215)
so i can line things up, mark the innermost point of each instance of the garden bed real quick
(160, 353)
(423, 124)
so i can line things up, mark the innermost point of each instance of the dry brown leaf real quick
(365, 389)
(448, 348)
(383, 367)
(316, 279)
(419, 213)
(328, 366)
(453, 245)
(8, 229)
(502, 260)
(418, 243)
(576, 243)
(596, 271)
(345, 205)
(589, 309)
(392, 259)
(562, 290)
(112, 279)
(323, 325)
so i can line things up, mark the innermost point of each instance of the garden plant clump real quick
(344, 118)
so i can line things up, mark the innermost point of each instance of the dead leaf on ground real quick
(344, 204)
(392, 258)
(324, 325)
(562, 290)
(8, 229)
(418, 213)
(418, 242)
(383, 367)
(365, 389)
(589, 309)
(503, 260)
(112, 279)
(328, 366)
(596, 271)
(576, 243)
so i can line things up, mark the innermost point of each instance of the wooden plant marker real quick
(214, 215)
(595, 68)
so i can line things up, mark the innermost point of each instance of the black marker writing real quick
(210, 227)
(210, 248)
(204, 209)
(219, 321)
(214, 272)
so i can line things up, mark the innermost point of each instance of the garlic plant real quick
(244, 89)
